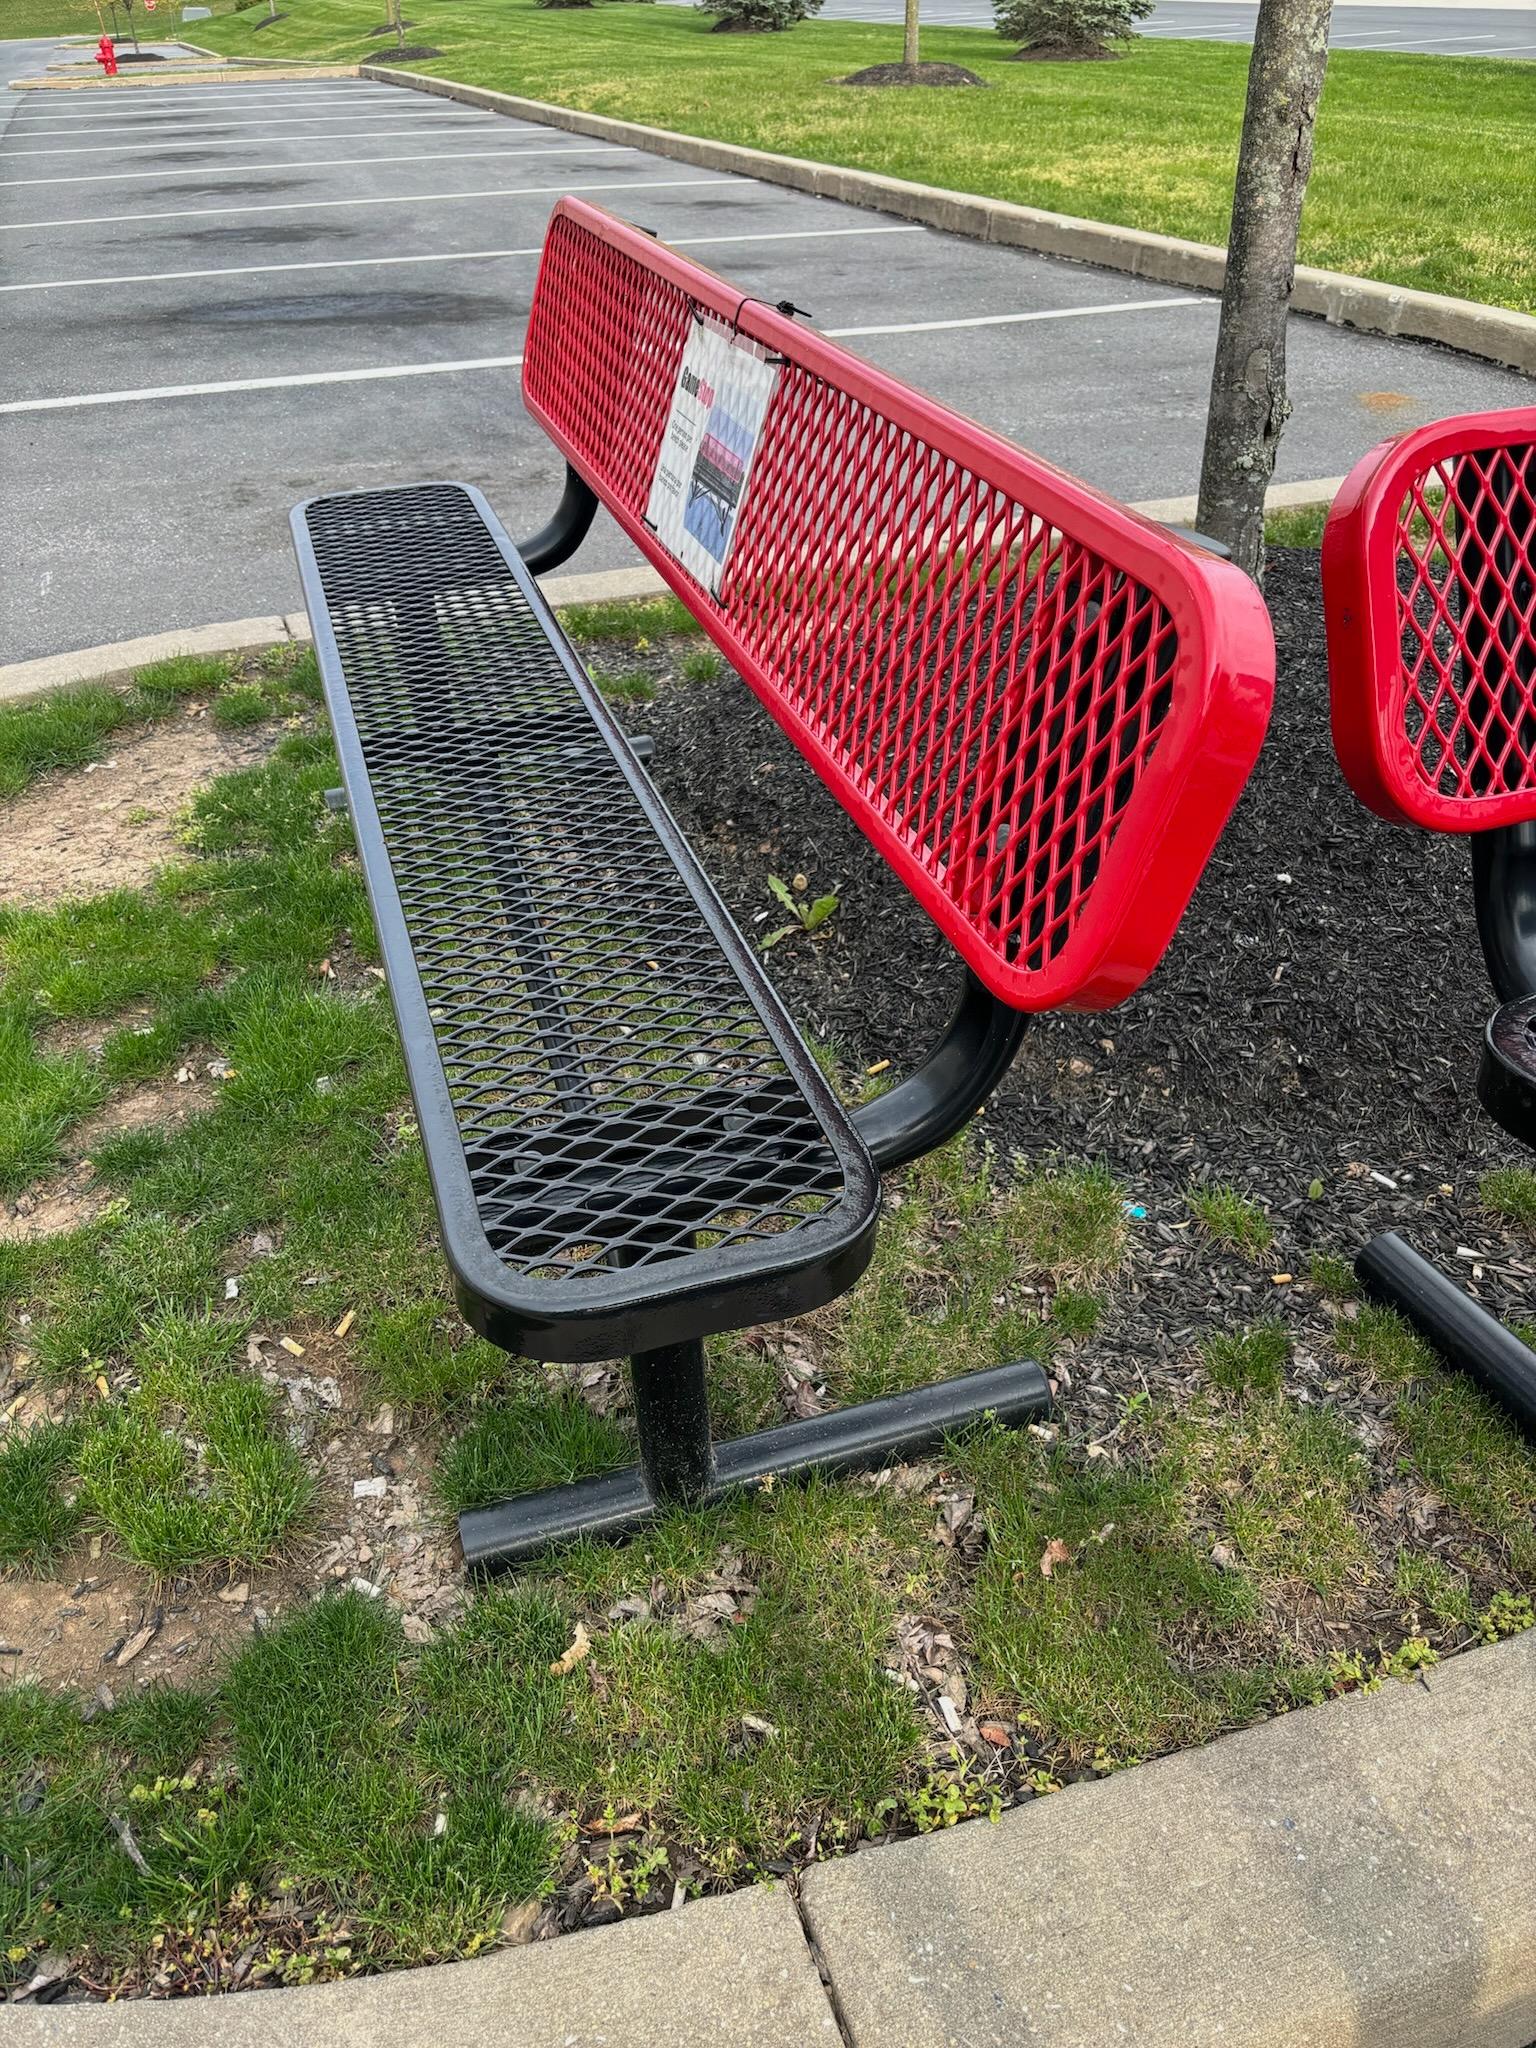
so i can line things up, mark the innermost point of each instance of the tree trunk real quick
(1249, 406)
(397, 16)
(909, 34)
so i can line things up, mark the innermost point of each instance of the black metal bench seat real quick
(630, 1146)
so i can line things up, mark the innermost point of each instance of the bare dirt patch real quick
(74, 1196)
(66, 1035)
(111, 824)
(83, 1628)
(372, 1528)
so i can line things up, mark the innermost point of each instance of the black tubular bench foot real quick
(1452, 1324)
(1506, 1080)
(683, 1467)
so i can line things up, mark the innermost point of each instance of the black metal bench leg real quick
(672, 1422)
(872, 1433)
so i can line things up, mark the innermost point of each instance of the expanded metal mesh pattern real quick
(619, 1100)
(1466, 580)
(1429, 588)
(987, 689)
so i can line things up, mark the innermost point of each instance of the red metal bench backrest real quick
(1039, 706)
(1429, 588)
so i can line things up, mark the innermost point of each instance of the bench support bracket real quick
(572, 522)
(923, 1112)
(679, 1466)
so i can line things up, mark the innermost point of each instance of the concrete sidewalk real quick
(1357, 1875)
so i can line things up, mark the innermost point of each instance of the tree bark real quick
(909, 34)
(1249, 406)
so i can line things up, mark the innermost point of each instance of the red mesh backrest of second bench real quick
(1429, 579)
(1040, 707)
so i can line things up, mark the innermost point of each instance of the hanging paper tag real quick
(724, 385)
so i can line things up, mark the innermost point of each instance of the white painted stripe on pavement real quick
(305, 163)
(164, 142)
(226, 386)
(247, 88)
(214, 390)
(270, 110)
(366, 122)
(1017, 319)
(164, 106)
(1418, 43)
(64, 284)
(107, 220)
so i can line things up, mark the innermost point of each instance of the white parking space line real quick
(225, 386)
(1420, 42)
(161, 112)
(367, 123)
(229, 384)
(308, 163)
(238, 142)
(1017, 319)
(64, 284)
(160, 97)
(279, 89)
(109, 220)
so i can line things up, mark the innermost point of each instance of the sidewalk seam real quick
(829, 1989)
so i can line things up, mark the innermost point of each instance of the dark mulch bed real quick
(913, 74)
(1317, 1018)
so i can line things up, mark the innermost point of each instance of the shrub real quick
(1069, 28)
(759, 16)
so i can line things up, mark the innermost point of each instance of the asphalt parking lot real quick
(218, 300)
(1462, 28)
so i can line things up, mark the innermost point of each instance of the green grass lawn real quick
(1422, 171)
(19, 18)
(763, 1678)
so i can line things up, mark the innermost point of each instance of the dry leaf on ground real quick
(580, 1647)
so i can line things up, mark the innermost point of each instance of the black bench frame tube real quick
(1452, 1324)
(672, 1416)
(572, 522)
(924, 1111)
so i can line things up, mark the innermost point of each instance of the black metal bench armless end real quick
(629, 1144)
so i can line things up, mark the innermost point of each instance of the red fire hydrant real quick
(106, 56)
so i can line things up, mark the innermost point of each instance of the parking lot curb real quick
(721, 1973)
(23, 679)
(1493, 333)
(1347, 1874)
